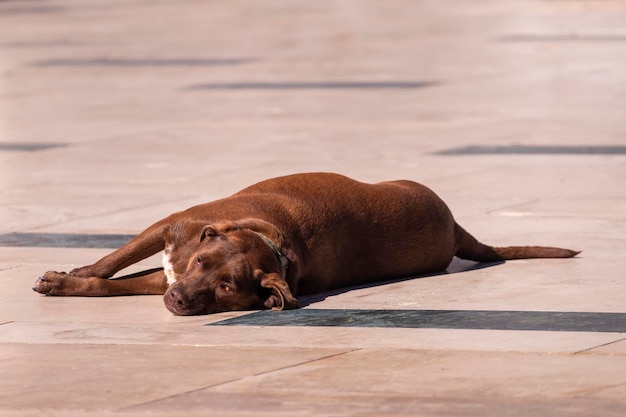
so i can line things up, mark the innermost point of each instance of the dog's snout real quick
(179, 302)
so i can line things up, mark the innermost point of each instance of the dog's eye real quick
(199, 260)
(226, 288)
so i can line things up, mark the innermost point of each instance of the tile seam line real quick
(349, 349)
(531, 200)
(472, 171)
(114, 137)
(208, 387)
(599, 346)
(11, 268)
(586, 392)
(94, 216)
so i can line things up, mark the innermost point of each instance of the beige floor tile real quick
(112, 377)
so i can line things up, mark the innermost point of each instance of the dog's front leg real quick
(147, 243)
(92, 280)
(60, 283)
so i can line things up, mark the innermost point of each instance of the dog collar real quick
(282, 259)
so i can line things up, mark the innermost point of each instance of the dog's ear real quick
(208, 231)
(280, 296)
(217, 229)
(261, 226)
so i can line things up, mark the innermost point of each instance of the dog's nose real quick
(178, 301)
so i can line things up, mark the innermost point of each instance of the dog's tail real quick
(470, 248)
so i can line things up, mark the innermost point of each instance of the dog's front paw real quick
(52, 283)
(82, 272)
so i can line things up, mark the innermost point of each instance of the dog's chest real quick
(168, 265)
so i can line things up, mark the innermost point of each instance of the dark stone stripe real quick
(566, 37)
(42, 44)
(535, 150)
(322, 85)
(147, 62)
(437, 319)
(16, 9)
(64, 240)
(29, 146)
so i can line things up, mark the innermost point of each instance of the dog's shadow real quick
(456, 265)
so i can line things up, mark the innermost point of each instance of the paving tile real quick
(139, 328)
(115, 377)
(437, 381)
(410, 372)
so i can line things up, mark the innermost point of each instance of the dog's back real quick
(352, 232)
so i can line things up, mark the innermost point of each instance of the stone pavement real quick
(115, 113)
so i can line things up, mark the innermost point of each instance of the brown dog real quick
(288, 236)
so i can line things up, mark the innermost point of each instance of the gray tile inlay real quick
(316, 85)
(565, 37)
(64, 240)
(43, 43)
(437, 319)
(16, 8)
(141, 62)
(28, 147)
(535, 150)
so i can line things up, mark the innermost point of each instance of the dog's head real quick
(237, 266)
